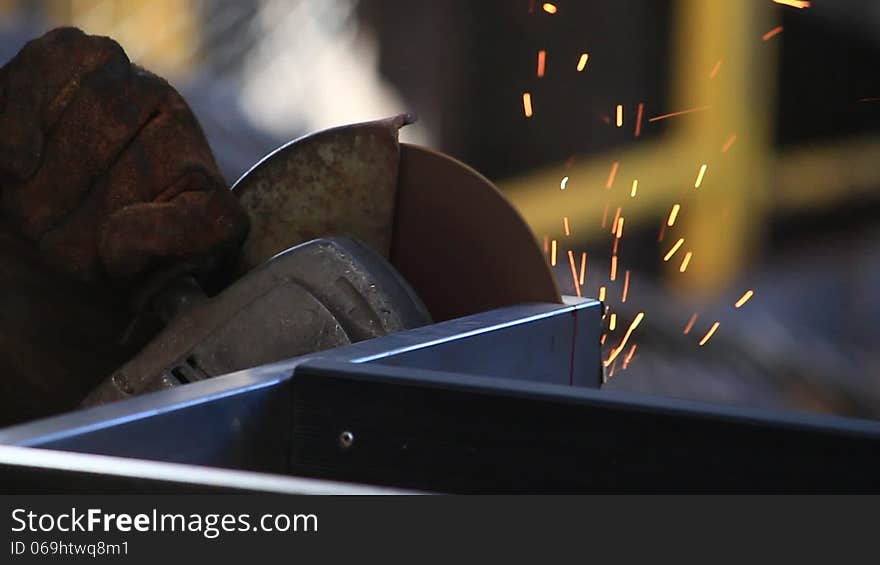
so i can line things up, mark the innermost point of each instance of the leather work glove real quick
(103, 165)
(106, 180)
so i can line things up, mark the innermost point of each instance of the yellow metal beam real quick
(725, 218)
(812, 177)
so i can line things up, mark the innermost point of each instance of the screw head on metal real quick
(346, 439)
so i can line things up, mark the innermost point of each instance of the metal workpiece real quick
(435, 431)
(238, 421)
(225, 417)
(315, 296)
(413, 410)
(548, 343)
(372, 413)
(26, 470)
(444, 432)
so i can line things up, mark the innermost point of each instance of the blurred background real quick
(708, 164)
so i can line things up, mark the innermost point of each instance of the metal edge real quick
(106, 465)
(617, 400)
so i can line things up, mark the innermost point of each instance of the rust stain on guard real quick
(340, 181)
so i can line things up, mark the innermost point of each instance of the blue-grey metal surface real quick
(546, 343)
(436, 431)
(25, 469)
(587, 368)
(446, 430)
(223, 421)
(237, 421)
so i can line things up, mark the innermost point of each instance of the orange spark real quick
(800, 4)
(727, 144)
(619, 115)
(553, 253)
(605, 215)
(710, 333)
(625, 287)
(690, 324)
(619, 227)
(700, 175)
(546, 244)
(527, 104)
(601, 294)
(565, 226)
(582, 62)
(542, 59)
(639, 113)
(672, 251)
(604, 337)
(583, 267)
(673, 214)
(679, 113)
(612, 323)
(715, 69)
(612, 174)
(549, 8)
(773, 32)
(629, 356)
(562, 183)
(662, 233)
(685, 262)
(744, 298)
(615, 246)
(611, 372)
(632, 327)
(574, 277)
(614, 221)
(613, 275)
(635, 187)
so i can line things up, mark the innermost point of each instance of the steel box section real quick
(433, 431)
(547, 343)
(243, 421)
(439, 430)
(436, 431)
(28, 470)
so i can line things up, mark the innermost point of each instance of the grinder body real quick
(317, 295)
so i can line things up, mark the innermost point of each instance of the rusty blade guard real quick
(333, 182)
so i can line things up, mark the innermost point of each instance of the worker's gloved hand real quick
(103, 165)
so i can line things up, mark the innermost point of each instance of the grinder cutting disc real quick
(460, 243)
